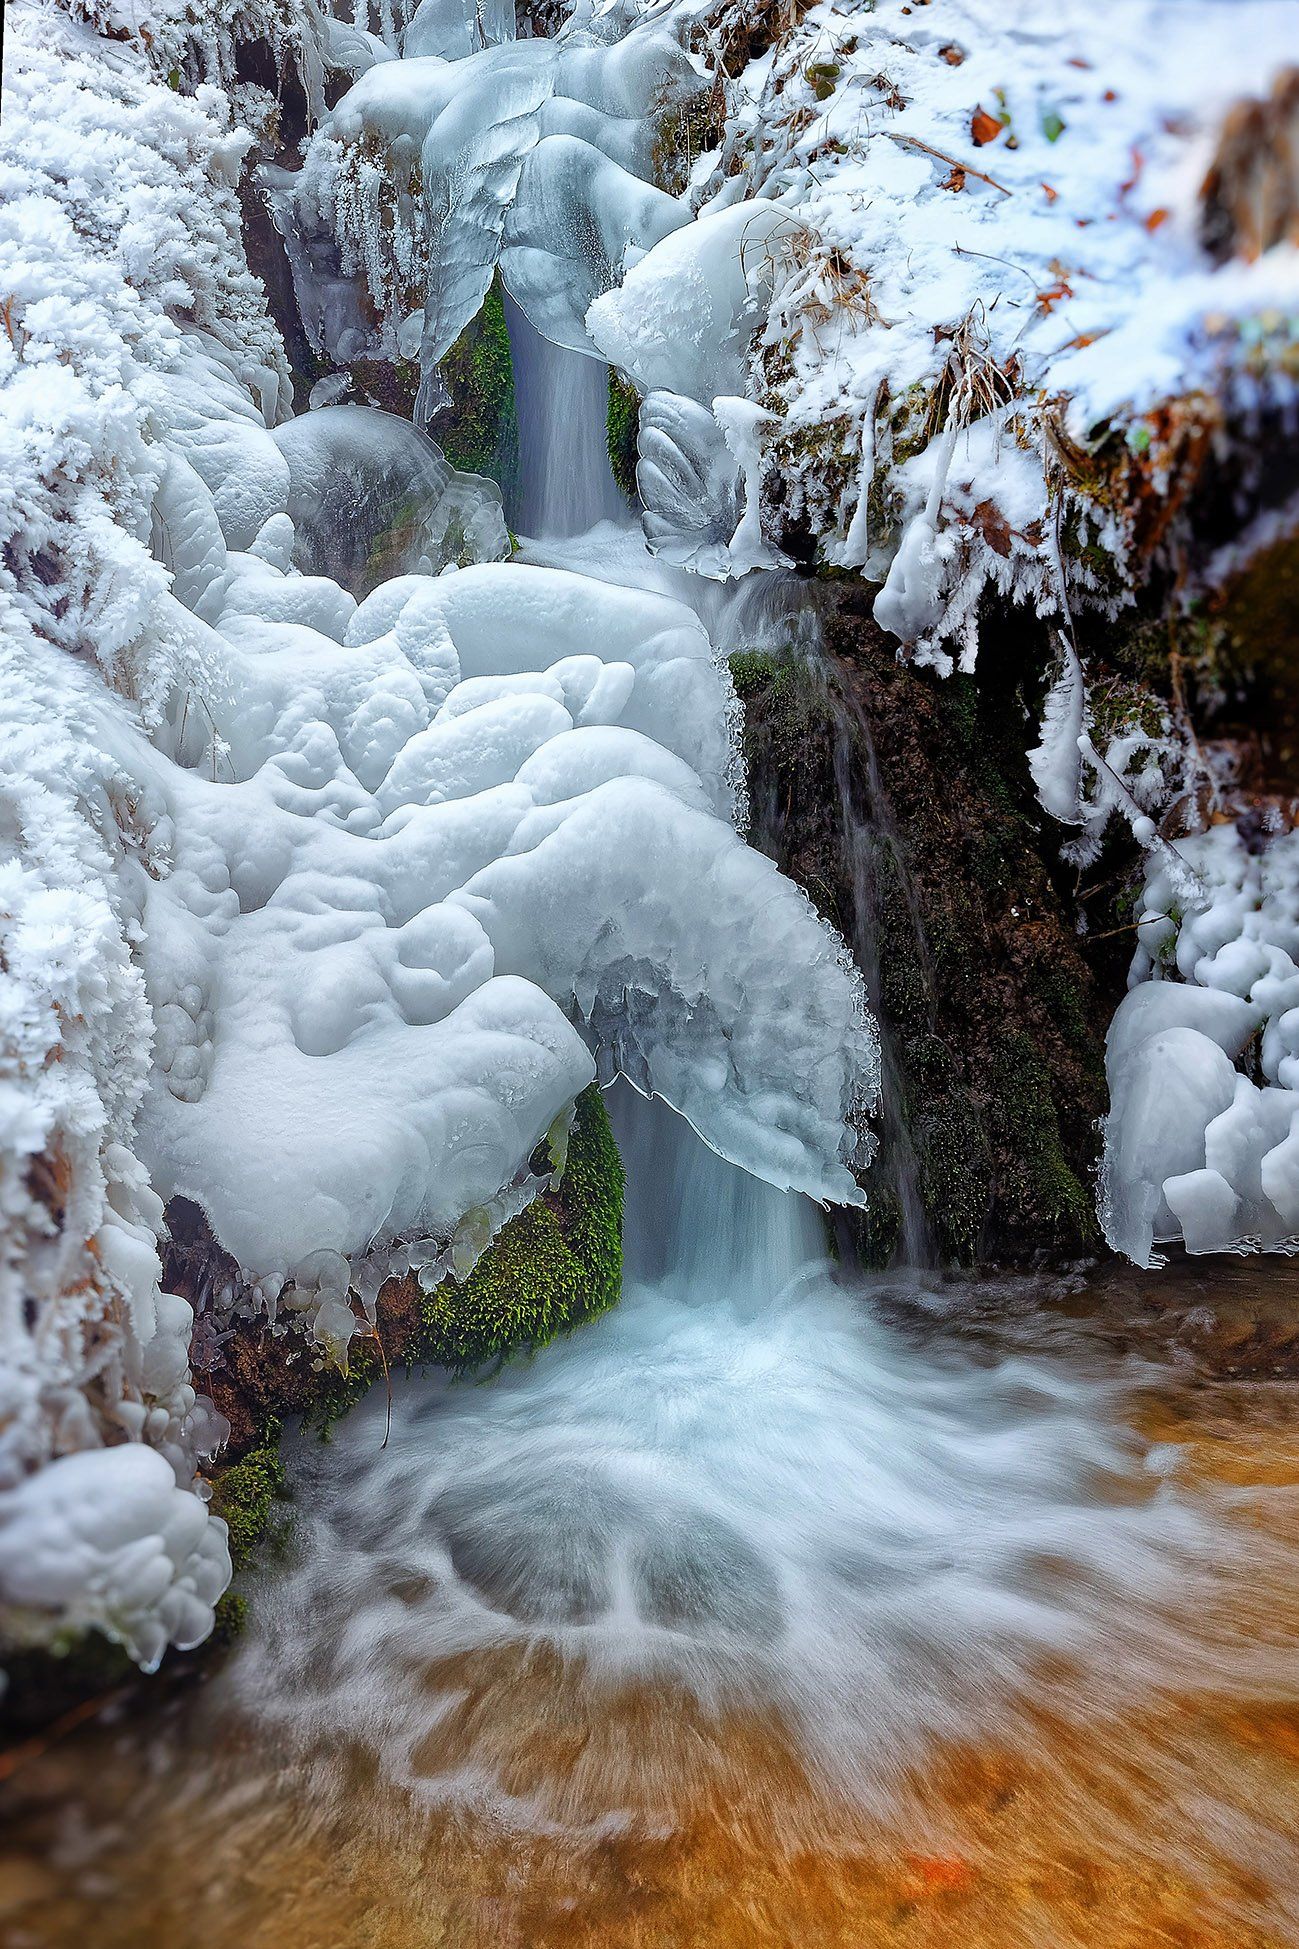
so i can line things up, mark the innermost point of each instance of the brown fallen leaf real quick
(993, 526)
(984, 128)
(955, 179)
(1155, 218)
(1051, 194)
(952, 54)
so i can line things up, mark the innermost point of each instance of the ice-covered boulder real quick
(683, 317)
(1202, 1137)
(577, 218)
(106, 1538)
(370, 496)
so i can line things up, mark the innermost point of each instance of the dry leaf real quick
(993, 526)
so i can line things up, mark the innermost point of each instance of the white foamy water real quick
(740, 1485)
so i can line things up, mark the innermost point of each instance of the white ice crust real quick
(1202, 1138)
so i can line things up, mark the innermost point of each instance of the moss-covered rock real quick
(555, 1265)
(623, 424)
(479, 430)
(951, 890)
(245, 1493)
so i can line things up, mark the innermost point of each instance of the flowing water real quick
(566, 484)
(772, 1608)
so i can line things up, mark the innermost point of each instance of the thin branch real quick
(966, 168)
(39, 1743)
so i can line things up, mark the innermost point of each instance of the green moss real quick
(955, 1174)
(623, 422)
(792, 708)
(752, 671)
(230, 1620)
(245, 1494)
(1046, 1188)
(558, 1263)
(479, 432)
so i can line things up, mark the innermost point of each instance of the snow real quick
(1051, 254)
(106, 1538)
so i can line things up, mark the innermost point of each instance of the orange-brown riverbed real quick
(1139, 1787)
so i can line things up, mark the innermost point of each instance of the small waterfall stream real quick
(566, 484)
(741, 1488)
(871, 838)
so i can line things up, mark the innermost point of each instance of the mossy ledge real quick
(558, 1263)
(554, 1266)
(622, 424)
(479, 430)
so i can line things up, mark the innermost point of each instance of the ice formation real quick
(535, 154)
(338, 854)
(967, 268)
(1202, 1139)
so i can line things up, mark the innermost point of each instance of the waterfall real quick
(566, 484)
(742, 1488)
(747, 1487)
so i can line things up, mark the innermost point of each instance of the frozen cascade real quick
(389, 879)
(740, 1486)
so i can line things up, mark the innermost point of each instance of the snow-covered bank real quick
(1000, 309)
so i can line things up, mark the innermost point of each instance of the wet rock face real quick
(997, 1020)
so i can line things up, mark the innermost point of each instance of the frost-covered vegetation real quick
(341, 853)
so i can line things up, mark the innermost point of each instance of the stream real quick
(777, 1606)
